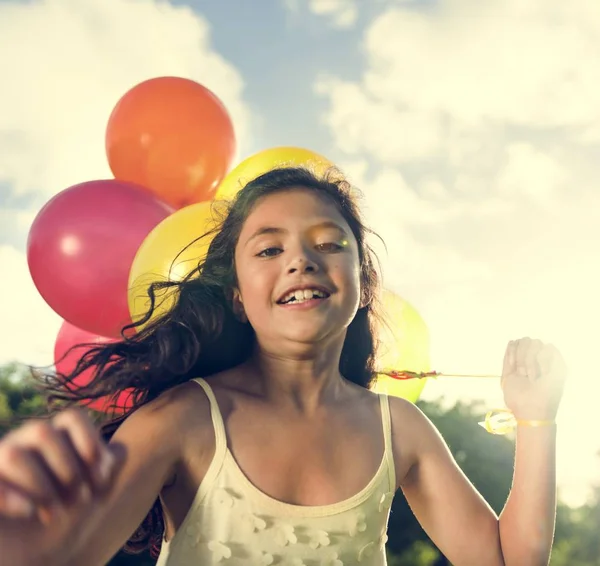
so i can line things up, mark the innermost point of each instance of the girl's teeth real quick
(301, 295)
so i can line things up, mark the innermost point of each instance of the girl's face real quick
(298, 271)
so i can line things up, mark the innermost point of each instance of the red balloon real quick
(69, 336)
(81, 247)
(173, 136)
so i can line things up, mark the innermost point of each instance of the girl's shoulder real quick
(409, 423)
(404, 411)
(413, 434)
(179, 409)
(190, 405)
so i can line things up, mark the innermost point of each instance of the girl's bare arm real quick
(450, 510)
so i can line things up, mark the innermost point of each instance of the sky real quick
(472, 129)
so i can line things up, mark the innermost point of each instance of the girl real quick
(280, 454)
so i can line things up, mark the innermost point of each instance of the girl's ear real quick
(365, 298)
(368, 282)
(238, 306)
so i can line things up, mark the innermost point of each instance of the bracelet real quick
(502, 421)
(535, 423)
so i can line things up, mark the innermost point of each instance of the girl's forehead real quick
(293, 209)
(293, 203)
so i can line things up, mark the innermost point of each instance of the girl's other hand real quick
(52, 463)
(52, 472)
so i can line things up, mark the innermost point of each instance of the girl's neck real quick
(305, 382)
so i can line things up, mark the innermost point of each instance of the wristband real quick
(535, 423)
(502, 421)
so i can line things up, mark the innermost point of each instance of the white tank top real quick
(232, 523)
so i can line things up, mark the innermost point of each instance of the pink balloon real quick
(81, 247)
(69, 336)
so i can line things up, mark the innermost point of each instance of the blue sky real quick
(472, 128)
(280, 52)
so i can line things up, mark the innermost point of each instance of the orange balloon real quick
(172, 136)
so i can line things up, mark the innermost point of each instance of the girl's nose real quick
(303, 264)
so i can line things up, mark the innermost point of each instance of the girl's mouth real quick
(299, 296)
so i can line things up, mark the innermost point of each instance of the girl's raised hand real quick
(533, 379)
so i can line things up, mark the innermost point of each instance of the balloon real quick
(81, 246)
(173, 136)
(264, 161)
(69, 336)
(404, 347)
(165, 256)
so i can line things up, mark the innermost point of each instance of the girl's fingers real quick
(14, 504)
(61, 459)
(521, 356)
(531, 359)
(52, 459)
(54, 463)
(92, 451)
(25, 469)
(83, 435)
(508, 366)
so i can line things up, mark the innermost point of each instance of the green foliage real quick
(19, 396)
(487, 460)
(419, 553)
(577, 541)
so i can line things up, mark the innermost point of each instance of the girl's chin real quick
(307, 339)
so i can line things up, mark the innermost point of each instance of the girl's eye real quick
(269, 252)
(329, 247)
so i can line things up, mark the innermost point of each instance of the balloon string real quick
(497, 421)
(402, 375)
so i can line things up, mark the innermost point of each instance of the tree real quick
(19, 397)
(577, 541)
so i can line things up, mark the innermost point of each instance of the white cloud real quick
(343, 13)
(488, 61)
(340, 13)
(473, 132)
(442, 77)
(531, 173)
(65, 65)
(416, 135)
(68, 64)
(14, 224)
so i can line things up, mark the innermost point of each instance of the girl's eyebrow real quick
(329, 224)
(265, 230)
(277, 230)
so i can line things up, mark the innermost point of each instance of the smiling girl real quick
(255, 438)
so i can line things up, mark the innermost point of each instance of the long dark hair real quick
(200, 335)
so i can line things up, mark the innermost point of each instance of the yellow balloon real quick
(404, 346)
(163, 256)
(264, 161)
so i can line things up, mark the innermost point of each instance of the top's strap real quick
(215, 412)
(386, 420)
